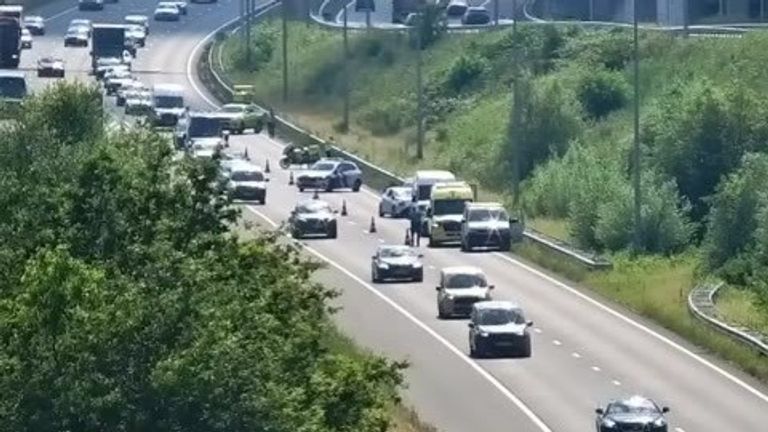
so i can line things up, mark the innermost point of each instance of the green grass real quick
(737, 306)
(467, 140)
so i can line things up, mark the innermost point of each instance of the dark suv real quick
(498, 327)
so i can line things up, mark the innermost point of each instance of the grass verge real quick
(466, 141)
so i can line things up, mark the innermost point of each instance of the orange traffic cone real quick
(290, 178)
(344, 207)
(315, 195)
(372, 229)
(266, 167)
(245, 155)
(408, 240)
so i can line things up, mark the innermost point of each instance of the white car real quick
(182, 5)
(35, 24)
(247, 182)
(82, 23)
(26, 39)
(456, 8)
(137, 34)
(50, 67)
(167, 12)
(141, 20)
(129, 90)
(139, 103)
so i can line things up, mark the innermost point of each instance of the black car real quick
(636, 413)
(396, 262)
(77, 36)
(313, 217)
(50, 67)
(85, 5)
(498, 327)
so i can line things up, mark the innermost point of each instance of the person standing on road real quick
(415, 225)
(271, 123)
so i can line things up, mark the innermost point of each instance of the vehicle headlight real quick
(483, 334)
(417, 265)
(609, 423)
(383, 266)
(435, 225)
(659, 422)
(449, 296)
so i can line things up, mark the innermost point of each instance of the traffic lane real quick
(538, 381)
(440, 383)
(657, 369)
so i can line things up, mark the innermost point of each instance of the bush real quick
(386, 119)
(611, 49)
(601, 92)
(262, 48)
(664, 226)
(465, 72)
(699, 131)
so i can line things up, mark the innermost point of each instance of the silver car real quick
(248, 182)
(26, 38)
(460, 288)
(395, 202)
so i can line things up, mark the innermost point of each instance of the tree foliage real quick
(127, 304)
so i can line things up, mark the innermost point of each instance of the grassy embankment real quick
(383, 82)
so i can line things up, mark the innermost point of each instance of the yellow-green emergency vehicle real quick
(446, 208)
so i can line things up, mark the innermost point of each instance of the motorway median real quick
(576, 135)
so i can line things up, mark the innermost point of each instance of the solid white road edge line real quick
(637, 325)
(460, 354)
(647, 330)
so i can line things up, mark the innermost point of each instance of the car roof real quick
(245, 166)
(434, 175)
(634, 400)
(167, 87)
(496, 304)
(477, 9)
(309, 203)
(394, 247)
(136, 17)
(33, 18)
(449, 271)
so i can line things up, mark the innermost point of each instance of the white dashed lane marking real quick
(616, 383)
(595, 368)
(557, 342)
(575, 355)
(537, 330)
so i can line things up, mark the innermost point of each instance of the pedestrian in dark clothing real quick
(271, 123)
(416, 216)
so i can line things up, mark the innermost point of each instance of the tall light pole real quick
(345, 118)
(636, 150)
(686, 16)
(516, 113)
(285, 51)
(420, 86)
(496, 12)
(248, 10)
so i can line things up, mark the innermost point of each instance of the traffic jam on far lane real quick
(440, 208)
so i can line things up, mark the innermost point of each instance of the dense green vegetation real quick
(127, 304)
(703, 134)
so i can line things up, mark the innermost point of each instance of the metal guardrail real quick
(701, 303)
(376, 177)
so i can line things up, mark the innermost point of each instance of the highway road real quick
(584, 350)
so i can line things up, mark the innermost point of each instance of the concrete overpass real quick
(664, 12)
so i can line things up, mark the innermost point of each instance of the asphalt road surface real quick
(584, 352)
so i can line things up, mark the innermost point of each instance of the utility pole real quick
(636, 153)
(516, 111)
(345, 118)
(419, 88)
(762, 10)
(248, 10)
(686, 16)
(591, 10)
(285, 51)
(496, 12)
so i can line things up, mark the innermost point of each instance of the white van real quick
(423, 181)
(168, 101)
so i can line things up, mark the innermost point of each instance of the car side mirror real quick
(373, 256)
(471, 325)
(599, 411)
(421, 255)
(463, 220)
(529, 324)
(266, 179)
(665, 410)
(490, 287)
(437, 288)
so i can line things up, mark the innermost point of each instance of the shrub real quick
(388, 119)
(464, 72)
(261, 49)
(611, 49)
(601, 92)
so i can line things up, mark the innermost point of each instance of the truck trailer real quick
(10, 36)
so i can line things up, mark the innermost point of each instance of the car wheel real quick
(381, 211)
(473, 352)
(525, 350)
(375, 277)
(263, 201)
(433, 243)
(419, 277)
(296, 234)
(440, 313)
(356, 185)
(332, 233)
(301, 189)
(329, 187)
(506, 245)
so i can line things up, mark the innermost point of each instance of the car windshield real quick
(500, 316)
(446, 207)
(33, 20)
(323, 166)
(169, 101)
(12, 87)
(233, 108)
(204, 127)
(395, 252)
(466, 281)
(425, 191)
(76, 32)
(633, 407)
(315, 207)
(485, 215)
(247, 176)
(402, 193)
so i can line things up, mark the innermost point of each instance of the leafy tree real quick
(699, 132)
(601, 92)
